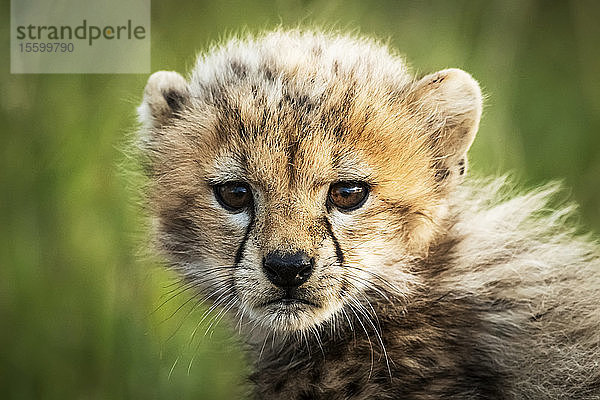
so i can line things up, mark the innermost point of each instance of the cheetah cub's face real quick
(294, 178)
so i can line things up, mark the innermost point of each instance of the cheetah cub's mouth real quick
(294, 185)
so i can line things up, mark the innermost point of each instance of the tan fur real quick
(435, 288)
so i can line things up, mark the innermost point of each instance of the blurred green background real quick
(77, 301)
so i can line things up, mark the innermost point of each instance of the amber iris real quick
(233, 196)
(348, 196)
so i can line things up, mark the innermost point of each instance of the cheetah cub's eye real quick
(233, 196)
(348, 196)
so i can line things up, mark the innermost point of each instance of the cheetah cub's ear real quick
(165, 94)
(450, 101)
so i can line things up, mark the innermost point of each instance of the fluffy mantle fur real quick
(437, 287)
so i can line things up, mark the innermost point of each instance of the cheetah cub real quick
(314, 189)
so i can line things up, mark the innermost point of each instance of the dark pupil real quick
(347, 195)
(234, 195)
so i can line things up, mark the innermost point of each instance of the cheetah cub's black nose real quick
(288, 270)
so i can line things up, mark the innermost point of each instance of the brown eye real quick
(348, 196)
(233, 196)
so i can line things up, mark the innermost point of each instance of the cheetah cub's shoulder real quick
(314, 188)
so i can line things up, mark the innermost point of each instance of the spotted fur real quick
(438, 287)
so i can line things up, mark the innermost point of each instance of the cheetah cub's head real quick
(296, 177)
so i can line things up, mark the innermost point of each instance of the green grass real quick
(77, 302)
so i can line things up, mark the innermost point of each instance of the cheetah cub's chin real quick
(309, 184)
